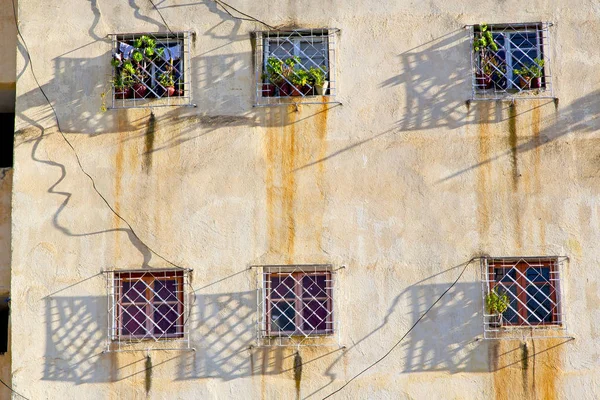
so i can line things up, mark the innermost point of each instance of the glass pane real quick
(281, 48)
(523, 58)
(165, 290)
(510, 315)
(282, 287)
(499, 39)
(134, 291)
(543, 307)
(313, 53)
(282, 317)
(315, 316)
(538, 274)
(504, 275)
(133, 320)
(314, 286)
(166, 317)
(524, 40)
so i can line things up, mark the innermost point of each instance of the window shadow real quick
(447, 338)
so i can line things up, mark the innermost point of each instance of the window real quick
(295, 63)
(532, 289)
(148, 305)
(297, 301)
(148, 67)
(510, 60)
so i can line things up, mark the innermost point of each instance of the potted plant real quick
(274, 72)
(537, 72)
(167, 80)
(523, 77)
(485, 46)
(319, 78)
(300, 79)
(496, 305)
(122, 83)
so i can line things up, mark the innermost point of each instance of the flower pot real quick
(268, 90)
(308, 90)
(284, 89)
(170, 91)
(483, 81)
(536, 83)
(524, 82)
(296, 90)
(139, 90)
(321, 90)
(123, 93)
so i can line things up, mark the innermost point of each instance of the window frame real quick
(502, 83)
(300, 304)
(149, 278)
(522, 284)
(156, 95)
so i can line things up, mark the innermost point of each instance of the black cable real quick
(12, 390)
(404, 336)
(249, 17)
(161, 16)
(75, 152)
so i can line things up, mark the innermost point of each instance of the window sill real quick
(295, 100)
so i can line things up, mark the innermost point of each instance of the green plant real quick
(137, 56)
(496, 303)
(166, 79)
(128, 67)
(274, 70)
(317, 75)
(300, 77)
(484, 40)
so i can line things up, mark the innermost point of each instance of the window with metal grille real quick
(148, 305)
(150, 69)
(510, 60)
(298, 63)
(530, 287)
(296, 303)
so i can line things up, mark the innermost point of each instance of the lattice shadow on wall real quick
(445, 340)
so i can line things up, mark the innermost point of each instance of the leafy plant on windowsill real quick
(496, 304)
(319, 79)
(530, 76)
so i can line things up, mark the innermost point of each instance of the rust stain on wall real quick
(526, 370)
(149, 142)
(295, 195)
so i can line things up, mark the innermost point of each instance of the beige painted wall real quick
(401, 184)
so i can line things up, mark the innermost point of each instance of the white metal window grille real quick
(295, 65)
(151, 69)
(296, 305)
(514, 64)
(148, 307)
(532, 286)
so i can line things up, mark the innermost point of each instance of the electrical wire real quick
(77, 155)
(250, 18)
(404, 336)
(13, 390)
(161, 16)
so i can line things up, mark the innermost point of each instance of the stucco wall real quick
(8, 60)
(402, 184)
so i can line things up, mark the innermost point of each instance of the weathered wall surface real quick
(402, 184)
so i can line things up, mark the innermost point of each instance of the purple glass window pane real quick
(282, 317)
(166, 319)
(314, 286)
(133, 320)
(282, 287)
(315, 316)
(134, 291)
(165, 290)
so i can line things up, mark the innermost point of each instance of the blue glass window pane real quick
(282, 317)
(510, 315)
(541, 307)
(538, 274)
